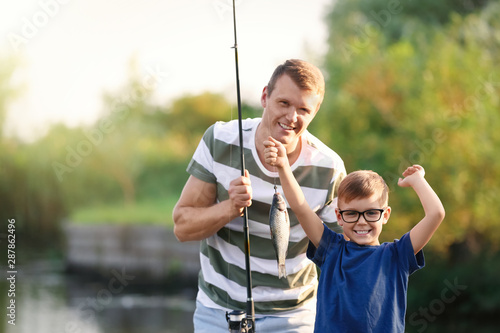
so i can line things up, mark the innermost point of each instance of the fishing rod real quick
(238, 321)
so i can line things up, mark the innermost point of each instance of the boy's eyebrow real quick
(361, 210)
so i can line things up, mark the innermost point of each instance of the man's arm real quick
(197, 215)
(433, 208)
(275, 154)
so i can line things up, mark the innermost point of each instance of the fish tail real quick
(281, 271)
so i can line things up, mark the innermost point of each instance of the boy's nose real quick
(361, 219)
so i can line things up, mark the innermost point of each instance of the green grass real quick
(152, 211)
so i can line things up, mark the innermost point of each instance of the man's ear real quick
(263, 97)
(387, 214)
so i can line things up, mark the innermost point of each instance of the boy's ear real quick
(339, 217)
(387, 214)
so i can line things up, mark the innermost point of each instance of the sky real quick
(70, 53)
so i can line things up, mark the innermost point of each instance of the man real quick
(215, 195)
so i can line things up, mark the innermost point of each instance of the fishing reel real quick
(238, 322)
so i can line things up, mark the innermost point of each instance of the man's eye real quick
(284, 103)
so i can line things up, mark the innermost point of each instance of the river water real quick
(47, 300)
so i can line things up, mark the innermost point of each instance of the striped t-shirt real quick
(222, 279)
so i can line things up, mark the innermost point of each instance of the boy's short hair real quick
(363, 184)
(304, 74)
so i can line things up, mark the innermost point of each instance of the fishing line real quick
(228, 219)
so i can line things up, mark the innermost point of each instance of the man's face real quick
(288, 111)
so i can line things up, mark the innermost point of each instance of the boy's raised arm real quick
(275, 155)
(433, 208)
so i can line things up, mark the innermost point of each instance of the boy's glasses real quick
(370, 215)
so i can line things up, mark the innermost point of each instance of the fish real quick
(279, 223)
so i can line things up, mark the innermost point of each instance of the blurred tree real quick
(135, 147)
(394, 19)
(190, 116)
(8, 91)
(429, 96)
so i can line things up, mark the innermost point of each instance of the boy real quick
(362, 286)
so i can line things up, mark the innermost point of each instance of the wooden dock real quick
(149, 251)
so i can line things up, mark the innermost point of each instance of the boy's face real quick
(362, 232)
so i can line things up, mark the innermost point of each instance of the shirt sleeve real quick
(409, 260)
(318, 255)
(201, 164)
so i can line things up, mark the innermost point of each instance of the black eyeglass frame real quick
(341, 212)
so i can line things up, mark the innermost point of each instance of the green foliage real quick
(7, 89)
(429, 98)
(28, 193)
(190, 114)
(156, 210)
(360, 20)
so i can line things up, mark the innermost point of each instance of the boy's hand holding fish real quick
(275, 155)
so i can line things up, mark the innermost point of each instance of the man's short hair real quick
(305, 75)
(363, 184)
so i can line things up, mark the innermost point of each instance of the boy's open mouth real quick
(362, 232)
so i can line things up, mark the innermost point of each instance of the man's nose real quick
(292, 115)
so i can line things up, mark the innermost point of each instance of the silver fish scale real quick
(279, 224)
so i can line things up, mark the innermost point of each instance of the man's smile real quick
(286, 127)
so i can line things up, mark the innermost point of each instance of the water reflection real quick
(49, 301)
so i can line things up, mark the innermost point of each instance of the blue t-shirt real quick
(362, 288)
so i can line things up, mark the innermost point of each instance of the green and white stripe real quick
(222, 280)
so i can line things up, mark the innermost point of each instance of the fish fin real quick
(281, 271)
